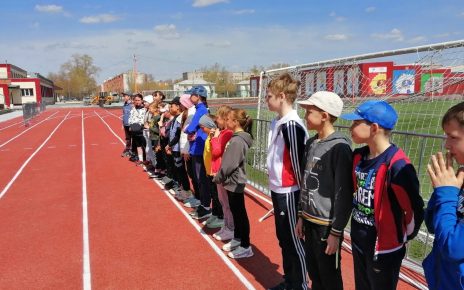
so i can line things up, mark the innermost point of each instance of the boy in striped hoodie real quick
(326, 191)
(287, 139)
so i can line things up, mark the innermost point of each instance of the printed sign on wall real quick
(339, 82)
(432, 82)
(404, 81)
(309, 84)
(377, 80)
(352, 81)
(321, 81)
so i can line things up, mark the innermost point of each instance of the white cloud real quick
(370, 9)
(336, 37)
(49, 8)
(337, 18)
(101, 18)
(243, 11)
(167, 31)
(417, 39)
(222, 44)
(204, 3)
(395, 35)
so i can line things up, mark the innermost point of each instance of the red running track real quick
(139, 237)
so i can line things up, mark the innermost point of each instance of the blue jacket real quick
(197, 146)
(126, 108)
(444, 266)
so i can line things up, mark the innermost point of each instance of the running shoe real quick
(225, 235)
(241, 252)
(232, 245)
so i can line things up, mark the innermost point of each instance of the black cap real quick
(175, 101)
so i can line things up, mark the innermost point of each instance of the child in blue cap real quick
(387, 206)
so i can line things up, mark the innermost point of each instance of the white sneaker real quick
(232, 245)
(211, 219)
(240, 252)
(225, 235)
(218, 233)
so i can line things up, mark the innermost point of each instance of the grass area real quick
(414, 118)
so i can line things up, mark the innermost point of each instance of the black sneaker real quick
(202, 213)
(281, 286)
(134, 158)
(169, 185)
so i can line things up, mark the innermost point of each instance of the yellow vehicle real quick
(103, 98)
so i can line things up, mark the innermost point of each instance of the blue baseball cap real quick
(373, 111)
(198, 90)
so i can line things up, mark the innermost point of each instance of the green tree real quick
(77, 76)
(218, 75)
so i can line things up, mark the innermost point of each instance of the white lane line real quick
(1, 129)
(116, 135)
(30, 158)
(86, 275)
(208, 239)
(1, 145)
(119, 117)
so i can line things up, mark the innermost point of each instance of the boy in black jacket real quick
(326, 191)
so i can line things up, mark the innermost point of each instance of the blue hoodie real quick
(197, 146)
(126, 108)
(444, 266)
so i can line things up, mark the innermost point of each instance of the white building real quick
(243, 89)
(185, 85)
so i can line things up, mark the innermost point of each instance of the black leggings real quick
(239, 213)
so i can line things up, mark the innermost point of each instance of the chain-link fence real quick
(420, 82)
(32, 109)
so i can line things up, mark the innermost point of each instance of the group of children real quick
(197, 156)
(375, 185)
(317, 184)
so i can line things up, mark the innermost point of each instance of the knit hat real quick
(207, 122)
(185, 101)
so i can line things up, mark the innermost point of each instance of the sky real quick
(175, 36)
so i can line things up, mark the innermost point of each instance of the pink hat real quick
(185, 101)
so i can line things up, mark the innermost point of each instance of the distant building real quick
(198, 75)
(123, 82)
(18, 87)
(185, 85)
(243, 89)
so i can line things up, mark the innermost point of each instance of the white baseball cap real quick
(326, 101)
(148, 99)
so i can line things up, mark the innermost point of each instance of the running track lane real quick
(263, 239)
(15, 153)
(11, 132)
(40, 217)
(138, 239)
